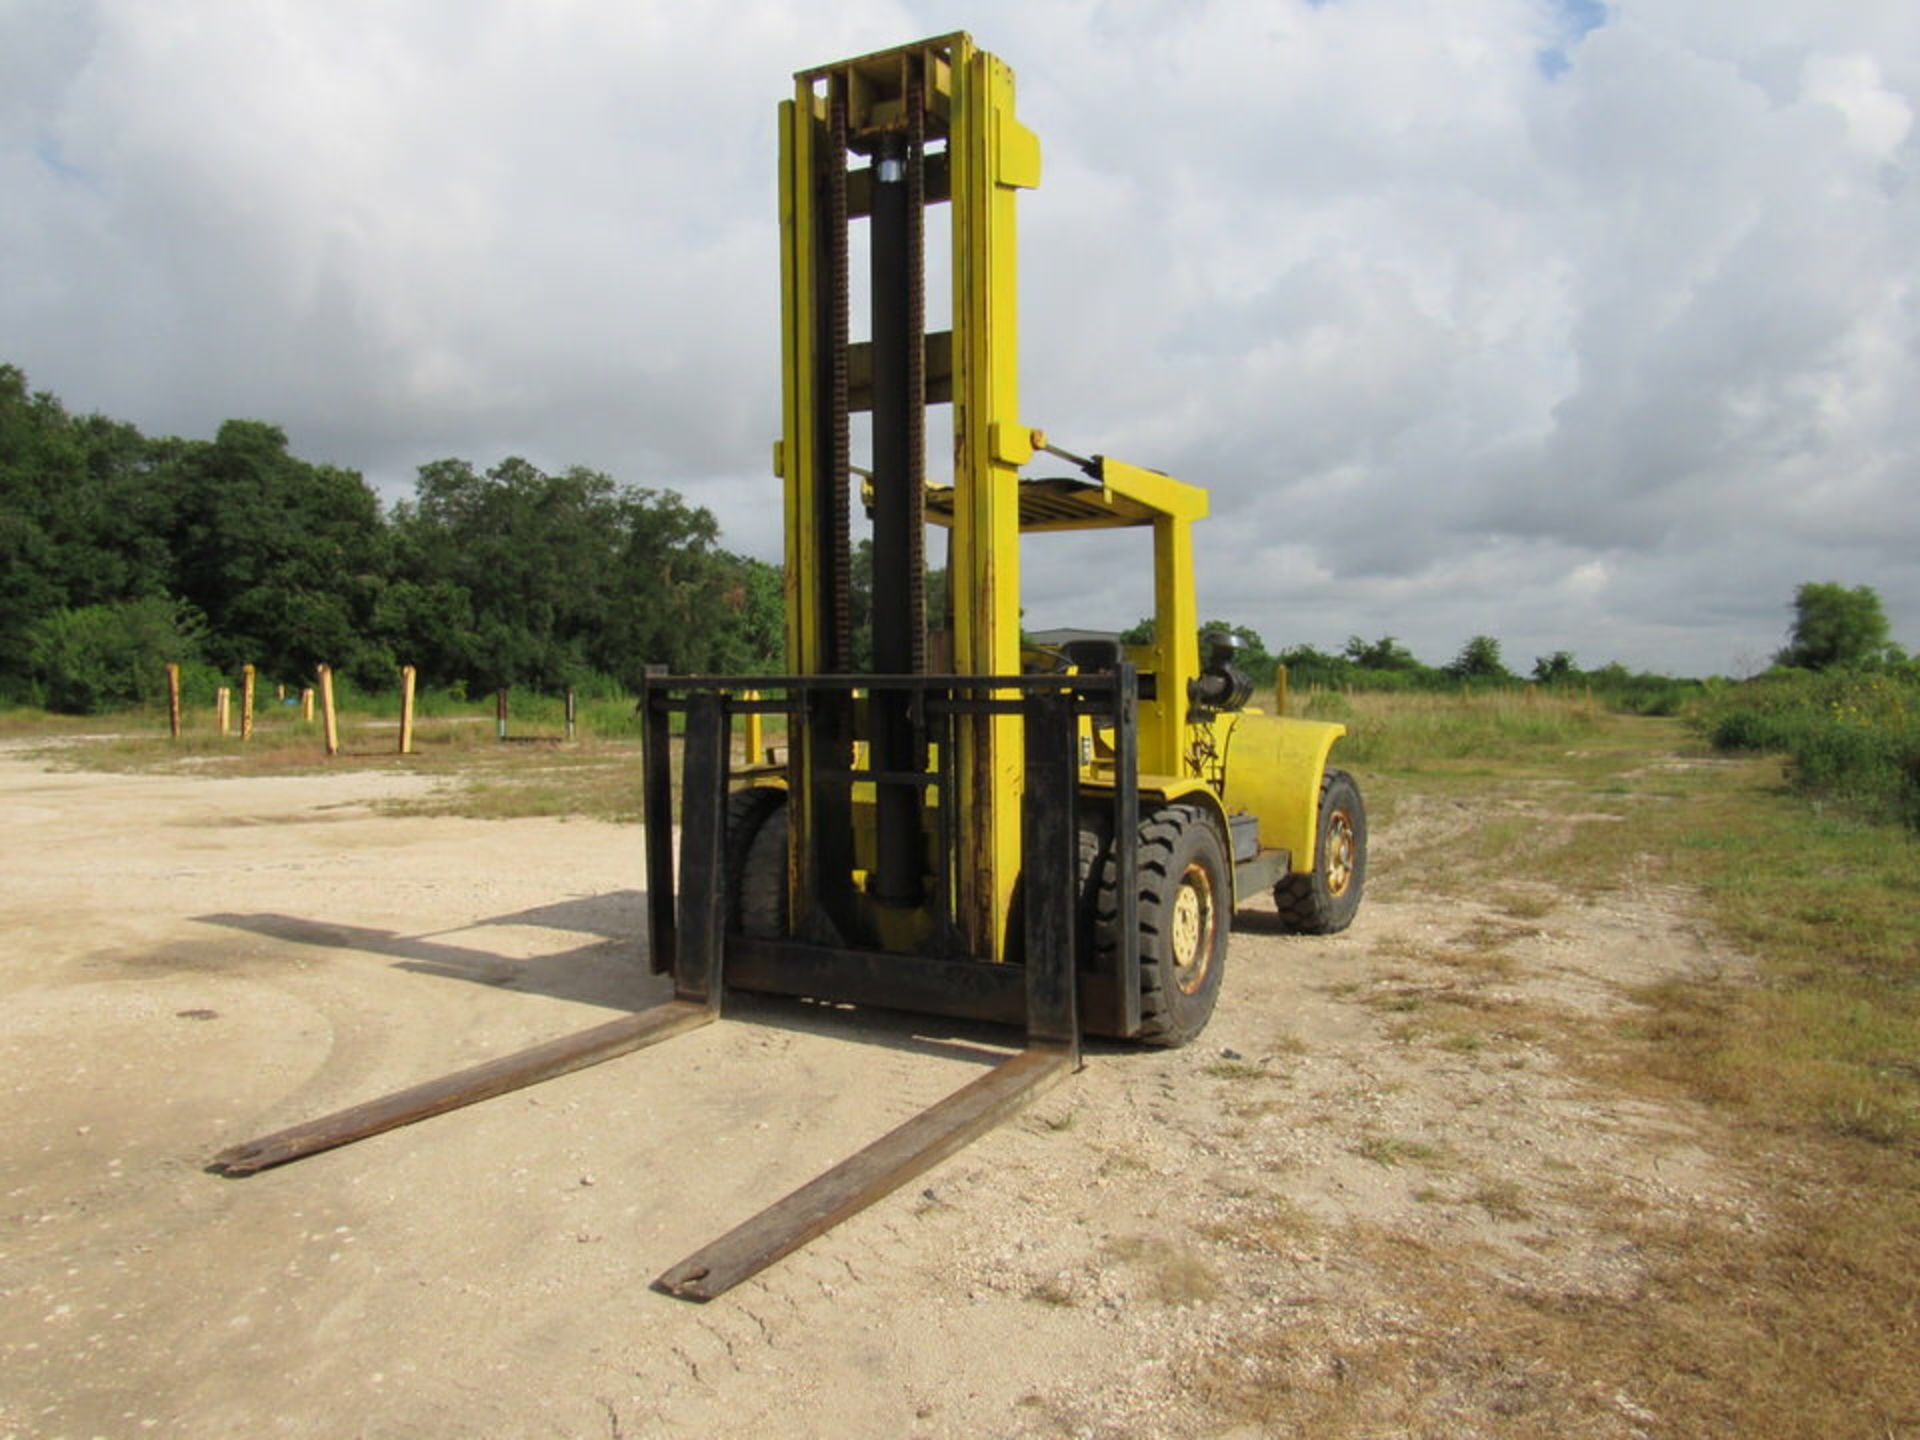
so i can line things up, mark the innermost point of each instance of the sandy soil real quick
(1170, 1243)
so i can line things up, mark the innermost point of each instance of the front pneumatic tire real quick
(1324, 901)
(1185, 914)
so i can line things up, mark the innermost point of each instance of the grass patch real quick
(1802, 1324)
(1235, 1070)
(1388, 730)
(1170, 1273)
(1392, 1151)
(1502, 1199)
(1705, 1343)
(1277, 1225)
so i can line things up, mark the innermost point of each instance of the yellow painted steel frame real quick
(991, 156)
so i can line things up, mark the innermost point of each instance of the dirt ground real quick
(1277, 1230)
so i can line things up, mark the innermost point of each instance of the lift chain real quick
(840, 460)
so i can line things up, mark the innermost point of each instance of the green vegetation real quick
(1797, 1046)
(121, 553)
(1386, 665)
(1409, 731)
(1851, 736)
(1835, 626)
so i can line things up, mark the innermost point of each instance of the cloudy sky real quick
(1590, 326)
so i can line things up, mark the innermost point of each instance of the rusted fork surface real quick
(465, 1087)
(858, 1181)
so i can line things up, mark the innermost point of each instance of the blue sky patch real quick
(1575, 18)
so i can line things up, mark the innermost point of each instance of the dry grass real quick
(1395, 1150)
(532, 774)
(1274, 1225)
(1168, 1272)
(1803, 1321)
(1718, 1333)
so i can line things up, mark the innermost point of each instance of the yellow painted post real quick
(223, 710)
(1279, 689)
(406, 709)
(246, 702)
(280, 694)
(173, 700)
(325, 674)
(756, 750)
(306, 704)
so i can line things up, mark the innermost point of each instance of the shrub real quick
(1850, 735)
(103, 657)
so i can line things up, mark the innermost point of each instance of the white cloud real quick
(1607, 359)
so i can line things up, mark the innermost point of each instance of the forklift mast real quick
(887, 138)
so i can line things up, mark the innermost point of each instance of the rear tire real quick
(1325, 901)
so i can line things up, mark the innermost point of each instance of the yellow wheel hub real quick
(1193, 922)
(1340, 851)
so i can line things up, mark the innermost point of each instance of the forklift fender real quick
(1167, 789)
(1274, 766)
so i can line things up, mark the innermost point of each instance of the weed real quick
(1392, 1151)
(1502, 1199)
(1235, 1070)
(1055, 1290)
(1278, 1225)
(1173, 1274)
(1527, 904)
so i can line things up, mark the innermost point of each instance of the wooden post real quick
(325, 674)
(406, 709)
(173, 700)
(756, 752)
(280, 694)
(1279, 689)
(223, 710)
(500, 714)
(306, 704)
(246, 702)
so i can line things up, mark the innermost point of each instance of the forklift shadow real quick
(903, 1030)
(1262, 922)
(612, 972)
(602, 971)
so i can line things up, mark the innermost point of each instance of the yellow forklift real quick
(964, 824)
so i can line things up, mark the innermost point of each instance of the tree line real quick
(1834, 628)
(121, 552)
